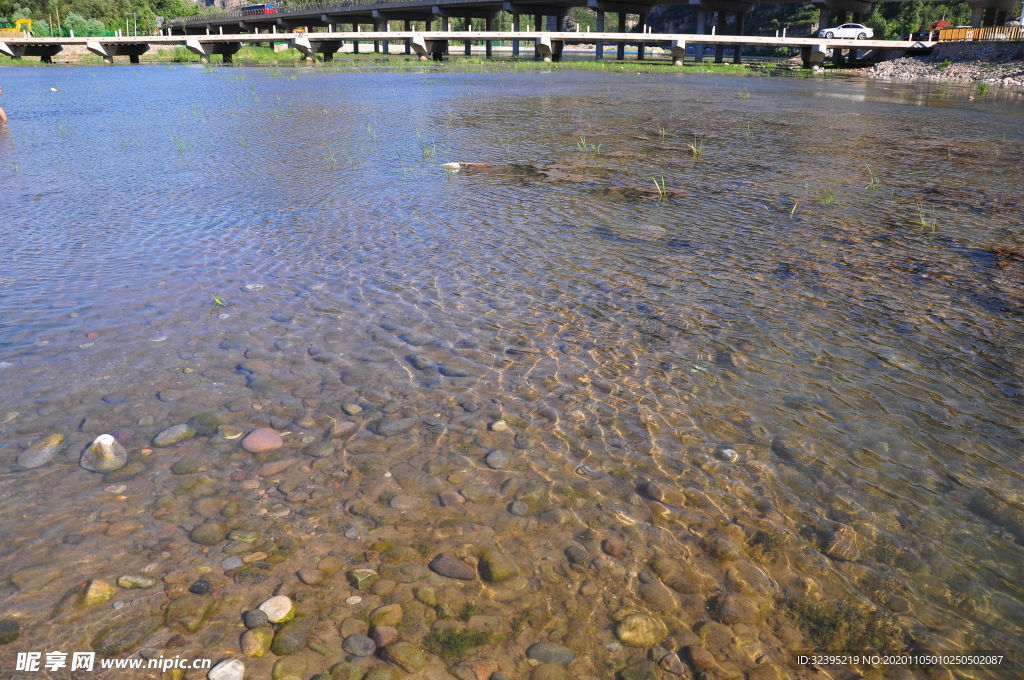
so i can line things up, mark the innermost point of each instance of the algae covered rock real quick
(641, 630)
(495, 566)
(188, 613)
(125, 637)
(97, 592)
(292, 637)
(105, 454)
(408, 656)
(41, 452)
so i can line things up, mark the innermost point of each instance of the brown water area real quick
(698, 372)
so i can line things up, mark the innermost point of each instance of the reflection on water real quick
(773, 410)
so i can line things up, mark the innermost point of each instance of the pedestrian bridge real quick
(548, 46)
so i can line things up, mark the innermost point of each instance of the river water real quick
(792, 391)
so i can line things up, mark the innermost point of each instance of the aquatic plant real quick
(925, 222)
(588, 148)
(449, 643)
(793, 211)
(872, 178)
(386, 497)
(469, 610)
(743, 94)
(662, 189)
(208, 66)
(429, 150)
(662, 132)
(697, 148)
(827, 198)
(217, 301)
(944, 64)
(329, 152)
(179, 142)
(982, 89)
(372, 130)
(838, 626)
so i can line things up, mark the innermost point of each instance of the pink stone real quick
(263, 439)
(384, 635)
(450, 497)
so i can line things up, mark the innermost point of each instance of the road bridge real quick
(548, 46)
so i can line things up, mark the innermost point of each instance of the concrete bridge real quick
(434, 44)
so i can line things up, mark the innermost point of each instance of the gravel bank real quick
(1000, 64)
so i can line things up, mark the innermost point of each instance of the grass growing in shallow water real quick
(840, 627)
(449, 643)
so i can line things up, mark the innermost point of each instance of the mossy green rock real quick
(644, 670)
(105, 454)
(41, 452)
(292, 637)
(10, 630)
(256, 642)
(408, 656)
(209, 533)
(388, 615)
(551, 671)
(495, 566)
(383, 672)
(97, 592)
(346, 671)
(361, 579)
(289, 668)
(188, 613)
(206, 423)
(174, 435)
(641, 630)
(125, 637)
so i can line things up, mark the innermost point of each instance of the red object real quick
(259, 9)
(940, 24)
(90, 336)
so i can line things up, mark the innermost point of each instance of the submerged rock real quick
(448, 565)
(550, 652)
(96, 592)
(231, 669)
(41, 452)
(188, 613)
(174, 435)
(210, 532)
(495, 566)
(292, 637)
(408, 656)
(641, 630)
(256, 641)
(125, 637)
(105, 454)
(278, 609)
(262, 439)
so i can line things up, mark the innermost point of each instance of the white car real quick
(857, 31)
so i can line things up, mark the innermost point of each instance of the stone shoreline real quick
(994, 63)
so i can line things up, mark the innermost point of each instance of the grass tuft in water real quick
(925, 221)
(179, 142)
(697, 148)
(872, 179)
(469, 610)
(588, 148)
(448, 643)
(982, 89)
(372, 130)
(743, 94)
(429, 150)
(827, 198)
(840, 627)
(662, 188)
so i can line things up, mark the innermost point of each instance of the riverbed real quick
(684, 373)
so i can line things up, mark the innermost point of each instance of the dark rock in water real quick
(645, 670)
(186, 466)
(188, 613)
(41, 452)
(416, 339)
(170, 395)
(115, 398)
(448, 565)
(209, 532)
(9, 631)
(577, 554)
(73, 539)
(255, 618)
(497, 460)
(525, 441)
(234, 342)
(355, 378)
(420, 361)
(551, 671)
(519, 508)
(125, 637)
(206, 424)
(282, 317)
(292, 637)
(392, 427)
(722, 358)
(454, 370)
(201, 587)
(359, 645)
(787, 449)
(550, 652)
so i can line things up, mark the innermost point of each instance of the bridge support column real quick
(408, 43)
(489, 45)
(515, 29)
(640, 46)
(990, 16)
(722, 22)
(678, 52)
(599, 46)
(621, 56)
(134, 59)
(737, 50)
(469, 43)
(823, 17)
(537, 26)
(698, 50)
(386, 44)
(446, 25)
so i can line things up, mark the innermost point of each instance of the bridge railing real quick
(1008, 33)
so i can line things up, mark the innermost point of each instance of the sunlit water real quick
(825, 389)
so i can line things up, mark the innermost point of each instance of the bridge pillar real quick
(515, 29)
(386, 44)
(698, 50)
(737, 50)
(446, 25)
(489, 45)
(640, 46)
(408, 43)
(622, 43)
(599, 46)
(537, 26)
(469, 43)
(720, 26)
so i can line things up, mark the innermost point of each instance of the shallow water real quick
(825, 395)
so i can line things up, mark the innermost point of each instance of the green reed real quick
(179, 142)
(926, 222)
(697, 148)
(372, 130)
(429, 150)
(827, 198)
(661, 187)
(743, 94)
(982, 89)
(329, 152)
(872, 179)
(588, 148)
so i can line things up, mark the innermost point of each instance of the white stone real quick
(499, 426)
(232, 669)
(278, 608)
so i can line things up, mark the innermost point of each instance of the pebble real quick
(310, 577)
(352, 409)
(550, 652)
(404, 502)
(174, 435)
(232, 669)
(497, 460)
(10, 630)
(262, 439)
(384, 635)
(448, 565)
(41, 452)
(408, 656)
(359, 645)
(252, 287)
(158, 338)
(105, 454)
(255, 618)
(278, 609)
(129, 581)
(498, 426)
(353, 600)
(229, 563)
(254, 557)
(641, 630)
(519, 509)
(229, 431)
(293, 636)
(210, 532)
(449, 497)
(201, 587)
(274, 467)
(613, 546)
(362, 579)
(97, 591)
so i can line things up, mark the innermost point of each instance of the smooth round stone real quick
(497, 460)
(452, 370)
(158, 338)
(105, 454)
(255, 618)
(282, 317)
(170, 395)
(252, 287)
(209, 532)
(405, 502)
(10, 630)
(263, 439)
(613, 546)
(174, 435)
(498, 426)
(395, 427)
(550, 652)
(448, 565)
(201, 587)
(129, 581)
(230, 563)
(359, 645)
(408, 656)
(416, 339)
(641, 630)
(519, 509)
(278, 609)
(115, 398)
(384, 635)
(41, 452)
(232, 669)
